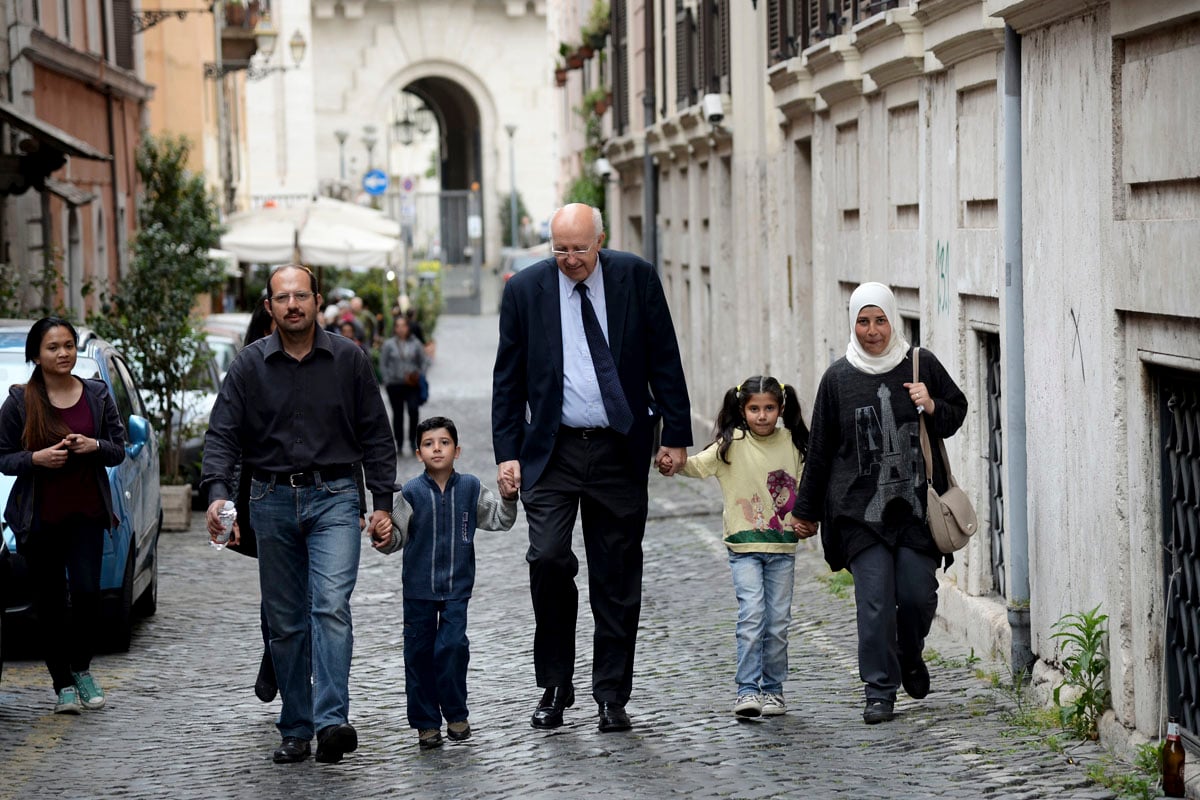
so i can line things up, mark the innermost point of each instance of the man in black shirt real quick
(298, 409)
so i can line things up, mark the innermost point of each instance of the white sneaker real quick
(747, 705)
(773, 705)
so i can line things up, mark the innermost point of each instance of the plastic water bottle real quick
(227, 515)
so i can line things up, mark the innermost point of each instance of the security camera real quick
(714, 111)
(602, 167)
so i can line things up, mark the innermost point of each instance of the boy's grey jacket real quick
(437, 531)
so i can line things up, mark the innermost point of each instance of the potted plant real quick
(149, 313)
(595, 33)
(560, 75)
(235, 13)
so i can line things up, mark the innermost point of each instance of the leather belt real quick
(308, 477)
(586, 433)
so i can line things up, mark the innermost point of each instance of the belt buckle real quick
(292, 479)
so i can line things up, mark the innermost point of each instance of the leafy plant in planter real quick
(149, 312)
(598, 25)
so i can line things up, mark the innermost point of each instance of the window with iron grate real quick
(1179, 409)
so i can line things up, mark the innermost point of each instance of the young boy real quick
(434, 519)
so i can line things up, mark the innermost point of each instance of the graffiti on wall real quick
(942, 264)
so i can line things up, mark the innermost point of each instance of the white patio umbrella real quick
(323, 232)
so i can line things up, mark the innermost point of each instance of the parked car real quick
(129, 570)
(516, 260)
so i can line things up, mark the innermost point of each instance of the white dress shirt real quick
(583, 406)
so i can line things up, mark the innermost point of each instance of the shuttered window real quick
(619, 14)
(685, 57)
(122, 16)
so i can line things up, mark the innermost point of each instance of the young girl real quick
(758, 466)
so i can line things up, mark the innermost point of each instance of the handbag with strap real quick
(950, 515)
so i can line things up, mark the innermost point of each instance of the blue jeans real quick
(763, 585)
(308, 546)
(436, 654)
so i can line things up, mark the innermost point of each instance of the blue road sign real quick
(375, 182)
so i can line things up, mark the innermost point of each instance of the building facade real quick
(1026, 176)
(467, 69)
(74, 107)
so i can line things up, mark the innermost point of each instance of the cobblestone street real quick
(182, 719)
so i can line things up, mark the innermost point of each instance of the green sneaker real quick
(68, 701)
(90, 693)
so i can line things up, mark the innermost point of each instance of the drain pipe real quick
(1016, 488)
(649, 184)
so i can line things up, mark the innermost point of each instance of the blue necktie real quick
(620, 418)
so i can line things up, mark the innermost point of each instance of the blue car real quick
(129, 572)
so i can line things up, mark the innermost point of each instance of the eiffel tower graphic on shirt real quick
(895, 458)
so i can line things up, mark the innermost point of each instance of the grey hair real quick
(597, 223)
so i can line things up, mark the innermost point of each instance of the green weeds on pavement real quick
(839, 584)
(1085, 662)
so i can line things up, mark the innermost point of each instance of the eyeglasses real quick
(283, 297)
(575, 253)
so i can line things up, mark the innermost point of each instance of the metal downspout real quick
(649, 185)
(1016, 488)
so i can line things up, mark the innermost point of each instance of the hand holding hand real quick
(670, 460)
(805, 528)
(508, 479)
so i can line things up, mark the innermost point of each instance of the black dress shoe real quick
(292, 750)
(613, 718)
(878, 711)
(549, 713)
(334, 741)
(916, 680)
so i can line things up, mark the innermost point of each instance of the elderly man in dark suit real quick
(587, 365)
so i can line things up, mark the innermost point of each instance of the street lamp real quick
(512, 174)
(342, 136)
(369, 140)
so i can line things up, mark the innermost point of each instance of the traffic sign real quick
(407, 184)
(375, 182)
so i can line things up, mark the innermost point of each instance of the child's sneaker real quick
(429, 738)
(459, 731)
(773, 705)
(747, 705)
(90, 693)
(68, 701)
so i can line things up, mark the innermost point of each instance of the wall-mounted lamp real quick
(256, 68)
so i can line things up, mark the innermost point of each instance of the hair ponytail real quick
(793, 420)
(729, 419)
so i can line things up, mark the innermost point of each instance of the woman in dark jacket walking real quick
(864, 480)
(402, 364)
(57, 434)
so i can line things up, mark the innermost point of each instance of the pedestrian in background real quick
(434, 518)
(587, 362)
(758, 465)
(243, 539)
(58, 432)
(301, 409)
(865, 479)
(402, 364)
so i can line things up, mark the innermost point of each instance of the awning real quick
(44, 132)
(69, 192)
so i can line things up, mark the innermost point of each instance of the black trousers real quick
(895, 593)
(404, 398)
(64, 565)
(590, 477)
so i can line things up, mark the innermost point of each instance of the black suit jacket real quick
(529, 363)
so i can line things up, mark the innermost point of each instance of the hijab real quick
(875, 294)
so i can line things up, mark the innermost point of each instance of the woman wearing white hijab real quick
(864, 479)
